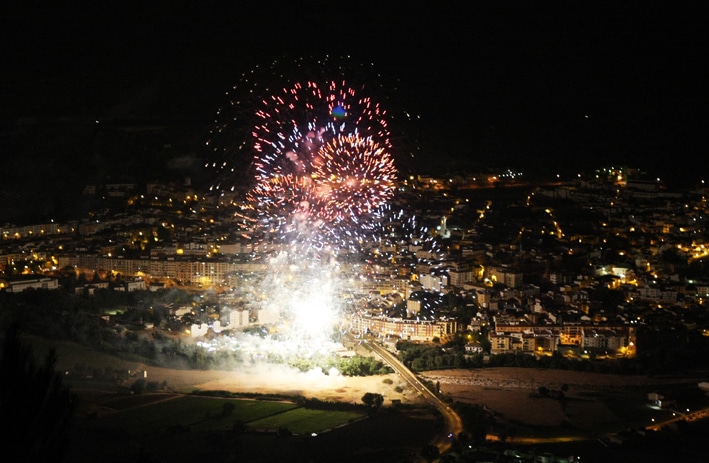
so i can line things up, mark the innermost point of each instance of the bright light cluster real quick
(298, 298)
(322, 158)
(321, 170)
(321, 175)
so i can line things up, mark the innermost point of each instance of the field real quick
(176, 425)
(593, 402)
(136, 426)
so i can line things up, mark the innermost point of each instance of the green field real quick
(168, 426)
(190, 411)
(173, 425)
(304, 421)
(70, 354)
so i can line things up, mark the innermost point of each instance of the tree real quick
(139, 386)
(373, 400)
(36, 408)
(430, 453)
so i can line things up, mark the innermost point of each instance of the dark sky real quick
(556, 85)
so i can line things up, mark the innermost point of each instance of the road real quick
(700, 414)
(453, 424)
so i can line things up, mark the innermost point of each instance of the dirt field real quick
(592, 401)
(508, 392)
(283, 380)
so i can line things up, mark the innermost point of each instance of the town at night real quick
(386, 235)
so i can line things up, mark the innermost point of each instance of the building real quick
(405, 329)
(530, 339)
(22, 284)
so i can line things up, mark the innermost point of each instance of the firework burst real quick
(322, 159)
(317, 175)
(394, 228)
(347, 179)
(269, 116)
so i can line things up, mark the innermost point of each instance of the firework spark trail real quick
(322, 176)
(355, 176)
(256, 99)
(321, 156)
(321, 166)
(396, 229)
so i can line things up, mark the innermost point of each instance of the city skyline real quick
(559, 89)
(330, 247)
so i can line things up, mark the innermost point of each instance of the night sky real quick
(557, 86)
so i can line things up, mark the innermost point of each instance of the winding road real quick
(453, 424)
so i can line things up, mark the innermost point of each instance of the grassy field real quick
(176, 428)
(171, 411)
(175, 425)
(304, 421)
(69, 355)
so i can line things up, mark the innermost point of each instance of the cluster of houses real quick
(207, 251)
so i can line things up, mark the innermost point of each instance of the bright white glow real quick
(312, 312)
